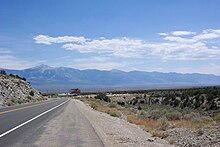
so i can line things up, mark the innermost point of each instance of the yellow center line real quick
(7, 111)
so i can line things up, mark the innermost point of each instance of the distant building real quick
(75, 92)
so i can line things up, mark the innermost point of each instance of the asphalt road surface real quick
(50, 123)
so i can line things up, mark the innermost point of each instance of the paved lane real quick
(15, 116)
(14, 107)
(53, 123)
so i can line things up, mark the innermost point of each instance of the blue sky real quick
(148, 35)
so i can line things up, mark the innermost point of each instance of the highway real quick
(25, 125)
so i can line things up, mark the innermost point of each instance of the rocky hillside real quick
(16, 90)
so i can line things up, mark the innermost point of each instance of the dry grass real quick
(103, 107)
(159, 133)
(217, 118)
(182, 124)
(198, 123)
(149, 124)
(111, 111)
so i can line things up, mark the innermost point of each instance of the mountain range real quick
(46, 78)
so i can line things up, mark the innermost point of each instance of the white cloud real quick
(177, 33)
(182, 33)
(120, 47)
(178, 39)
(9, 61)
(207, 34)
(177, 45)
(42, 39)
(163, 34)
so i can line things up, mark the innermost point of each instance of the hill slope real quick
(15, 90)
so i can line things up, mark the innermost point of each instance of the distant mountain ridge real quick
(45, 78)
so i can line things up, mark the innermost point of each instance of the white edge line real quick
(31, 119)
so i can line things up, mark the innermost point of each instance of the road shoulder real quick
(117, 132)
(69, 129)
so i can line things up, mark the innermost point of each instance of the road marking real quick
(32, 119)
(7, 111)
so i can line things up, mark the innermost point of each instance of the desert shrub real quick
(24, 79)
(207, 119)
(31, 93)
(103, 96)
(112, 105)
(186, 103)
(160, 134)
(114, 114)
(200, 132)
(9, 104)
(121, 103)
(2, 72)
(139, 108)
(134, 102)
(213, 105)
(166, 101)
(155, 114)
(176, 102)
(44, 98)
(197, 104)
(94, 105)
(143, 114)
(183, 96)
(202, 99)
(217, 118)
(19, 101)
(191, 116)
(175, 115)
(203, 120)
(172, 141)
(11, 75)
(163, 123)
(210, 97)
(14, 101)
(29, 98)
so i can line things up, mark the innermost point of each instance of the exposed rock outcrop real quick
(15, 90)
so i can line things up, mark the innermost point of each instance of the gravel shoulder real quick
(115, 132)
(206, 136)
(69, 129)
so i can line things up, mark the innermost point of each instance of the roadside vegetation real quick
(23, 101)
(159, 111)
(102, 103)
(3, 72)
